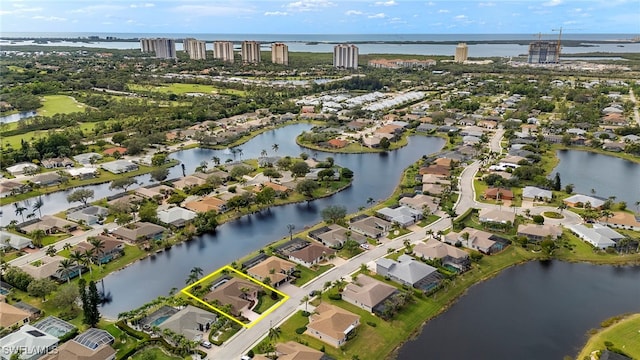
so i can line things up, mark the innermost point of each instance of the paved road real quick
(636, 114)
(245, 339)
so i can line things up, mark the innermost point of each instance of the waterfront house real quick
(176, 216)
(240, 294)
(111, 249)
(599, 236)
(408, 271)
(207, 204)
(448, 255)
(90, 215)
(47, 179)
(370, 226)
(82, 173)
(139, 231)
(11, 316)
(331, 324)
(93, 344)
(367, 292)
(622, 220)
(10, 188)
(579, 200)
(276, 269)
(535, 232)
(119, 166)
(335, 236)
(311, 255)
(192, 322)
(50, 225)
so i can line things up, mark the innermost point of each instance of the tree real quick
(119, 138)
(148, 211)
(346, 173)
(159, 159)
(326, 174)
(299, 168)
(93, 300)
(216, 160)
(51, 251)
(64, 267)
(306, 187)
(122, 183)
(19, 210)
(538, 219)
(41, 288)
(291, 227)
(205, 222)
(334, 214)
(271, 173)
(557, 183)
(305, 301)
(37, 205)
(266, 196)
(77, 257)
(159, 174)
(562, 207)
(351, 246)
(275, 147)
(37, 236)
(263, 153)
(65, 298)
(81, 195)
(569, 188)
(384, 143)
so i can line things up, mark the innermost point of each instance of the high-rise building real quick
(544, 52)
(251, 52)
(462, 52)
(345, 56)
(223, 50)
(163, 48)
(196, 49)
(280, 54)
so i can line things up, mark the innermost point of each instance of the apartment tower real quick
(345, 56)
(196, 49)
(251, 52)
(462, 52)
(147, 45)
(162, 47)
(544, 52)
(223, 50)
(280, 54)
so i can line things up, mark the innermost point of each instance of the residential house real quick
(535, 193)
(477, 240)
(311, 255)
(139, 231)
(119, 166)
(599, 236)
(579, 200)
(11, 316)
(279, 189)
(29, 341)
(82, 173)
(292, 350)
(90, 215)
(59, 162)
(93, 344)
(188, 182)
(409, 271)
(21, 168)
(622, 220)
(192, 322)
(111, 249)
(161, 191)
(176, 216)
(87, 158)
(367, 292)
(402, 215)
(47, 179)
(10, 188)
(207, 204)
(48, 267)
(337, 143)
(498, 194)
(335, 236)
(449, 255)
(432, 189)
(331, 324)
(497, 216)
(436, 169)
(113, 150)
(420, 202)
(34, 312)
(370, 226)
(435, 179)
(17, 242)
(535, 232)
(50, 225)
(276, 269)
(240, 294)
(614, 146)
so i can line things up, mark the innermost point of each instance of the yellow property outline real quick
(285, 297)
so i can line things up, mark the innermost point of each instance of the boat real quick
(620, 45)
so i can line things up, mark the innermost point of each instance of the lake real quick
(539, 310)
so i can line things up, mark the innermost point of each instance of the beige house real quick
(332, 324)
(535, 232)
(292, 350)
(12, 316)
(420, 202)
(311, 255)
(93, 344)
(276, 269)
(367, 292)
(240, 294)
(51, 225)
(496, 216)
(449, 255)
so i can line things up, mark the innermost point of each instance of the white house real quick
(599, 236)
(21, 168)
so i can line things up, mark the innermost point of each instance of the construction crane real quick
(558, 46)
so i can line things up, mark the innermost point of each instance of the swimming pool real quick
(159, 320)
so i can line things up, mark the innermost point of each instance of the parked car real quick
(365, 246)
(206, 344)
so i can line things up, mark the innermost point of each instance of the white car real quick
(365, 246)
(206, 344)
(245, 357)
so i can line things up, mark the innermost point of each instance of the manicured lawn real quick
(396, 233)
(307, 274)
(131, 254)
(153, 353)
(625, 335)
(179, 89)
(552, 215)
(574, 249)
(428, 220)
(266, 302)
(59, 104)
(52, 239)
(123, 342)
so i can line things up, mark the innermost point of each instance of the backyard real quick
(624, 334)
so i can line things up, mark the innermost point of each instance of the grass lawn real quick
(155, 353)
(307, 274)
(265, 303)
(123, 342)
(625, 335)
(574, 249)
(396, 233)
(52, 239)
(428, 220)
(179, 89)
(17, 69)
(59, 104)
(552, 215)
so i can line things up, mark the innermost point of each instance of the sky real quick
(321, 16)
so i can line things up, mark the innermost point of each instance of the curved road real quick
(246, 339)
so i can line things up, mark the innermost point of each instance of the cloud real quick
(431, 3)
(486, 4)
(552, 3)
(20, 10)
(461, 17)
(397, 20)
(353, 12)
(276, 13)
(443, 11)
(377, 16)
(145, 5)
(570, 22)
(309, 5)
(97, 9)
(386, 3)
(213, 10)
(48, 18)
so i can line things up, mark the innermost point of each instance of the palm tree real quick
(51, 251)
(88, 259)
(77, 257)
(305, 300)
(263, 153)
(274, 333)
(98, 246)
(291, 227)
(240, 153)
(275, 147)
(19, 210)
(197, 271)
(191, 279)
(562, 207)
(65, 269)
(37, 236)
(37, 206)
(66, 246)
(216, 160)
